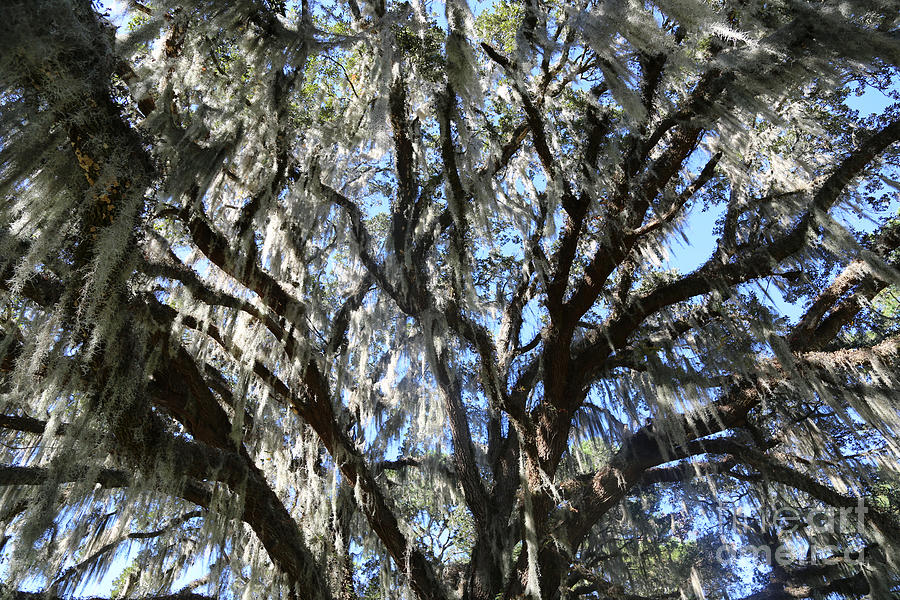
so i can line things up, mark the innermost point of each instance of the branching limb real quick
(16, 475)
(755, 263)
(788, 476)
(463, 448)
(246, 270)
(705, 175)
(75, 570)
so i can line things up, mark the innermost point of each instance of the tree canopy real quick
(369, 300)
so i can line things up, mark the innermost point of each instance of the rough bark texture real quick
(379, 303)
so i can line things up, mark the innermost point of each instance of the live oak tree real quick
(318, 300)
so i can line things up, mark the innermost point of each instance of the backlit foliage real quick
(396, 300)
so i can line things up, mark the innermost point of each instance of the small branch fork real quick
(566, 369)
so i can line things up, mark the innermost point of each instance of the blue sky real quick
(685, 257)
(697, 244)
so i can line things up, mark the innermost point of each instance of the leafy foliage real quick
(391, 300)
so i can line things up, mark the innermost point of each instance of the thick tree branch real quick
(754, 264)
(246, 270)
